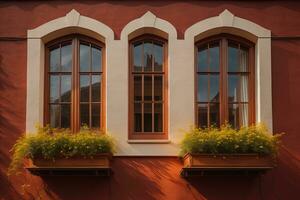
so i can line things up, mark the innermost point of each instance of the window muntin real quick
(74, 85)
(224, 82)
(148, 81)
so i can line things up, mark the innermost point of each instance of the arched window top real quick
(225, 81)
(74, 83)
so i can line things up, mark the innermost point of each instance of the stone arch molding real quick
(73, 22)
(149, 20)
(226, 22)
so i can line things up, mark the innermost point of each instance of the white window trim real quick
(73, 22)
(180, 66)
(226, 22)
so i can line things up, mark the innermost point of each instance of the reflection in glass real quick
(96, 59)
(84, 58)
(54, 116)
(54, 89)
(202, 115)
(214, 114)
(65, 115)
(55, 60)
(214, 88)
(233, 81)
(147, 88)
(233, 115)
(66, 58)
(214, 57)
(202, 60)
(84, 114)
(148, 56)
(138, 117)
(158, 120)
(96, 115)
(233, 58)
(244, 59)
(158, 57)
(147, 117)
(137, 88)
(96, 88)
(137, 57)
(158, 88)
(84, 88)
(65, 88)
(202, 93)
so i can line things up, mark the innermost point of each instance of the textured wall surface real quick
(153, 178)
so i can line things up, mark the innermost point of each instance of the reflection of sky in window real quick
(214, 59)
(158, 57)
(66, 88)
(148, 56)
(54, 60)
(96, 59)
(138, 57)
(84, 58)
(66, 57)
(202, 60)
(233, 59)
(54, 88)
(202, 88)
(233, 81)
(214, 88)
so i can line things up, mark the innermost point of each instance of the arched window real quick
(147, 98)
(74, 83)
(225, 81)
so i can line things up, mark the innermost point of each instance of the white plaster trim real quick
(226, 22)
(73, 22)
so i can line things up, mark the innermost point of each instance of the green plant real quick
(49, 143)
(226, 140)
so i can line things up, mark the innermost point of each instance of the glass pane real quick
(158, 88)
(214, 57)
(96, 88)
(214, 114)
(137, 117)
(84, 115)
(84, 58)
(66, 58)
(202, 93)
(244, 115)
(158, 57)
(137, 57)
(65, 88)
(233, 57)
(244, 59)
(202, 115)
(158, 117)
(202, 59)
(96, 115)
(54, 89)
(54, 116)
(234, 115)
(214, 88)
(244, 89)
(148, 117)
(147, 88)
(233, 82)
(148, 56)
(96, 59)
(55, 60)
(65, 116)
(84, 88)
(137, 88)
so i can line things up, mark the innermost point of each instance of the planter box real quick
(228, 161)
(98, 165)
(101, 160)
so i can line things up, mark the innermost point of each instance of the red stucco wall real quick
(153, 178)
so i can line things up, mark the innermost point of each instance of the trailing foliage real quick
(49, 143)
(226, 140)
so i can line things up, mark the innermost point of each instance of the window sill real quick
(149, 141)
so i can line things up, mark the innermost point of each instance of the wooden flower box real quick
(98, 165)
(223, 164)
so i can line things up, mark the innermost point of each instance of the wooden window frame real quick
(223, 73)
(148, 135)
(75, 39)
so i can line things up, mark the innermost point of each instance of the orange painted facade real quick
(153, 178)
